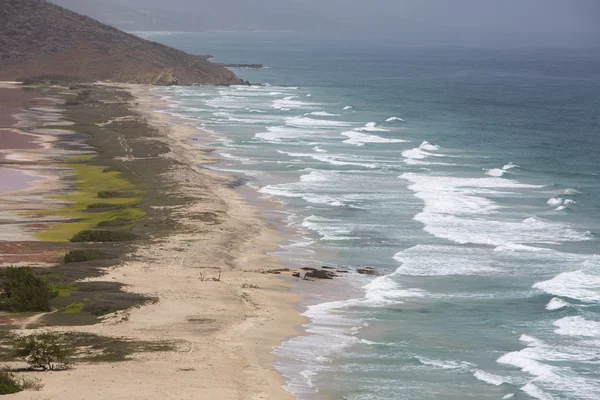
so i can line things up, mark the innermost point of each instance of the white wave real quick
(429, 146)
(459, 209)
(510, 165)
(445, 364)
(437, 260)
(385, 290)
(513, 247)
(348, 108)
(488, 378)
(229, 102)
(532, 390)
(336, 159)
(570, 192)
(535, 360)
(322, 114)
(526, 364)
(279, 134)
(577, 326)
(557, 304)
(305, 122)
(232, 157)
(583, 284)
(319, 150)
(496, 172)
(360, 139)
(329, 229)
(371, 127)
(416, 153)
(318, 176)
(559, 202)
(392, 119)
(508, 396)
(288, 103)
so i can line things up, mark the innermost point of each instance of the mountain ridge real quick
(41, 38)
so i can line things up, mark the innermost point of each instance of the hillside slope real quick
(40, 38)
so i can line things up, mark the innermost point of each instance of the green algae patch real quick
(65, 290)
(100, 195)
(77, 307)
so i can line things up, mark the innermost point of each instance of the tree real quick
(22, 290)
(46, 351)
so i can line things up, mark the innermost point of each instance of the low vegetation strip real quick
(89, 204)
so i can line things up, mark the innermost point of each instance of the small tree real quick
(22, 290)
(46, 351)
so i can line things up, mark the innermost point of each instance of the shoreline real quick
(225, 329)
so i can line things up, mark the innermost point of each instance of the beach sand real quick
(224, 329)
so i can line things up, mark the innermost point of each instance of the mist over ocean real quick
(468, 177)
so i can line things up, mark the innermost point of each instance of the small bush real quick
(84, 255)
(46, 351)
(22, 290)
(31, 384)
(104, 236)
(9, 383)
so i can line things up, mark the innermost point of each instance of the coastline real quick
(224, 330)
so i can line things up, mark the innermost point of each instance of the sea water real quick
(467, 177)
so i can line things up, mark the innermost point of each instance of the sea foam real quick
(360, 139)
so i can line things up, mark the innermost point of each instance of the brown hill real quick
(40, 38)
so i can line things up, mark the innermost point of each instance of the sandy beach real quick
(215, 301)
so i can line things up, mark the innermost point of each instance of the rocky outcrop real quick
(40, 38)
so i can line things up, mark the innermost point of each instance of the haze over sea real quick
(468, 177)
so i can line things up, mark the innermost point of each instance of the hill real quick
(41, 38)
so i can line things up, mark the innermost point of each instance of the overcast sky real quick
(492, 20)
(479, 15)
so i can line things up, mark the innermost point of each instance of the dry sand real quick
(225, 330)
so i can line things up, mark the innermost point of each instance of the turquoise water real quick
(468, 177)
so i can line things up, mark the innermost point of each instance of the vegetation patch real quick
(85, 255)
(109, 349)
(104, 236)
(23, 291)
(76, 308)
(65, 290)
(9, 383)
(93, 186)
(46, 351)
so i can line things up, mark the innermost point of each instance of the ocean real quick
(467, 177)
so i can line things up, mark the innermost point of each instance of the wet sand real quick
(12, 180)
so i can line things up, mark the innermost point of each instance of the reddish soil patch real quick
(31, 252)
(14, 140)
(11, 99)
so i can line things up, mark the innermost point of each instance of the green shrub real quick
(46, 351)
(84, 255)
(104, 236)
(22, 290)
(9, 384)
